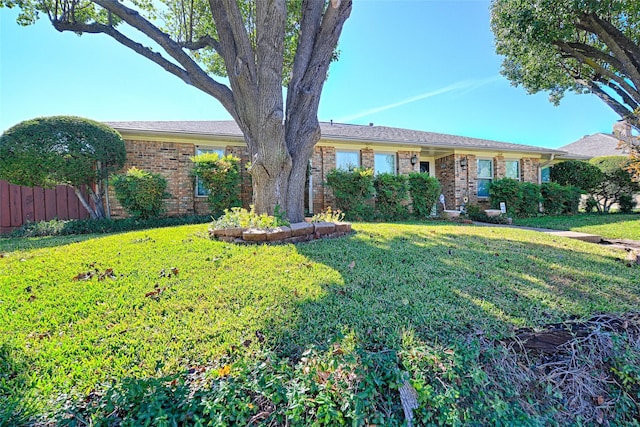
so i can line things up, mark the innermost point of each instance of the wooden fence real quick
(19, 205)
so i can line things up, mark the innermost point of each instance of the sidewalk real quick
(585, 237)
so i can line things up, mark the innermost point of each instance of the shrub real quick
(424, 190)
(627, 203)
(353, 191)
(530, 199)
(221, 178)
(521, 198)
(506, 190)
(560, 199)
(392, 196)
(141, 193)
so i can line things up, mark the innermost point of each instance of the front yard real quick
(78, 314)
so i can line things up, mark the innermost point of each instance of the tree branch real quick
(609, 75)
(624, 49)
(616, 106)
(202, 42)
(197, 76)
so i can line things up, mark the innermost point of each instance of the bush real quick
(506, 190)
(353, 191)
(521, 198)
(577, 173)
(424, 190)
(141, 193)
(221, 177)
(100, 226)
(627, 203)
(560, 199)
(530, 199)
(392, 196)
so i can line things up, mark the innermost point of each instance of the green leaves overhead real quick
(572, 45)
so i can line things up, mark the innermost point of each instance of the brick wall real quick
(445, 172)
(404, 162)
(529, 167)
(499, 167)
(171, 160)
(366, 158)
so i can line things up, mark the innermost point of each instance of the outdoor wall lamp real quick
(414, 159)
(463, 162)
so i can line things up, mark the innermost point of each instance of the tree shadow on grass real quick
(440, 287)
(29, 243)
(15, 387)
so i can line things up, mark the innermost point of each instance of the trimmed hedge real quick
(392, 196)
(221, 177)
(424, 190)
(353, 191)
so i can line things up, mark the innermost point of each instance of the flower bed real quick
(294, 233)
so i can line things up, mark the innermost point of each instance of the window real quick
(424, 167)
(347, 160)
(513, 169)
(485, 175)
(384, 163)
(200, 190)
(545, 174)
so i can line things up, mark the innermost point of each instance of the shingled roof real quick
(596, 145)
(335, 132)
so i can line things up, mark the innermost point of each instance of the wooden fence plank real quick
(5, 211)
(15, 205)
(50, 207)
(72, 203)
(62, 208)
(28, 213)
(38, 203)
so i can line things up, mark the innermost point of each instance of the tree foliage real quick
(258, 45)
(582, 46)
(63, 150)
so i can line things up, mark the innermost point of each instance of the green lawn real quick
(83, 311)
(613, 226)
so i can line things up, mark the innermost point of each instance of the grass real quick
(84, 311)
(612, 226)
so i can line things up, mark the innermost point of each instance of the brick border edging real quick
(295, 233)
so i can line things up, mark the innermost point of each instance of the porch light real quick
(463, 162)
(414, 159)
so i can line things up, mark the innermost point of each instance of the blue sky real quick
(426, 65)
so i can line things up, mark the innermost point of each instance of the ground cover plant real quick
(612, 226)
(166, 325)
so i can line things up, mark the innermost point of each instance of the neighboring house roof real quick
(596, 145)
(335, 132)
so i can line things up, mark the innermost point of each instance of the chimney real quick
(621, 129)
